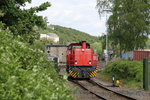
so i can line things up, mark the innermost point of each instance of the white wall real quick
(53, 38)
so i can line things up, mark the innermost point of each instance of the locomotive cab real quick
(81, 62)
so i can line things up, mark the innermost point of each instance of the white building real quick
(50, 36)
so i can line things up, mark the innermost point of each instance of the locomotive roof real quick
(76, 44)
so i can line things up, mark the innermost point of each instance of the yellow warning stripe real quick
(74, 74)
(88, 74)
(77, 74)
(71, 72)
(92, 74)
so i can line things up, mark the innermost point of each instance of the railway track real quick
(100, 91)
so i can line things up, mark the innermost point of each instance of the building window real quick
(48, 51)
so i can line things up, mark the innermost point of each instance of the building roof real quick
(52, 34)
(55, 45)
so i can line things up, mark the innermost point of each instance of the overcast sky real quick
(78, 14)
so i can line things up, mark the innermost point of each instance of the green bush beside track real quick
(26, 74)
(129, 72)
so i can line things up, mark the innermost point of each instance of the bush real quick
(130, 70)
(39, 44)
(25, 73)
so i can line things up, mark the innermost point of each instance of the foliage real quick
(96, 46)
(22, 21)
(129, 22)
(72, 35)
(25, 73)
(127, 70)
(147, 44)
(40, 44)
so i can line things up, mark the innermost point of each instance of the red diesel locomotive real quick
(81, 62)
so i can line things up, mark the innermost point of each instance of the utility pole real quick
(107, 10)
(106, 48)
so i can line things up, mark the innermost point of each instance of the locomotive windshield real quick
(78, 46)
(74, 46)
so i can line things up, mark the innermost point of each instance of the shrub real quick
(125, 70)
(25, 73)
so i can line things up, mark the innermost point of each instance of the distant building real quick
(136, 55)
(50, 36)
(51, 27)
(57, 51)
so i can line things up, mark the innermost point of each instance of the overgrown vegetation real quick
(26, 74)
(130, 73)
(40, 44)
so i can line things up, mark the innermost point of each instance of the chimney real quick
(84, 44)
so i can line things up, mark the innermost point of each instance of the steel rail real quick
(82, 86)
(104, 87)
(100, 86)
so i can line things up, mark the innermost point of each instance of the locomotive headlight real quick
(76, 62)
(90, 62)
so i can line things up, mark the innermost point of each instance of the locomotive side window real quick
(87, 46)
(69, 47)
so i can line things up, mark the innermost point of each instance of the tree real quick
(96, 47)
(147, 44)
(22, 21)
(128, 26)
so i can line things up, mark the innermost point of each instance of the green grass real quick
(130, 73)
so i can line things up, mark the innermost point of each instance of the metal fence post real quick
(56, 64)
(145, 74)
(149, 75)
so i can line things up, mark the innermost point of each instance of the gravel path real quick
(81, 94)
